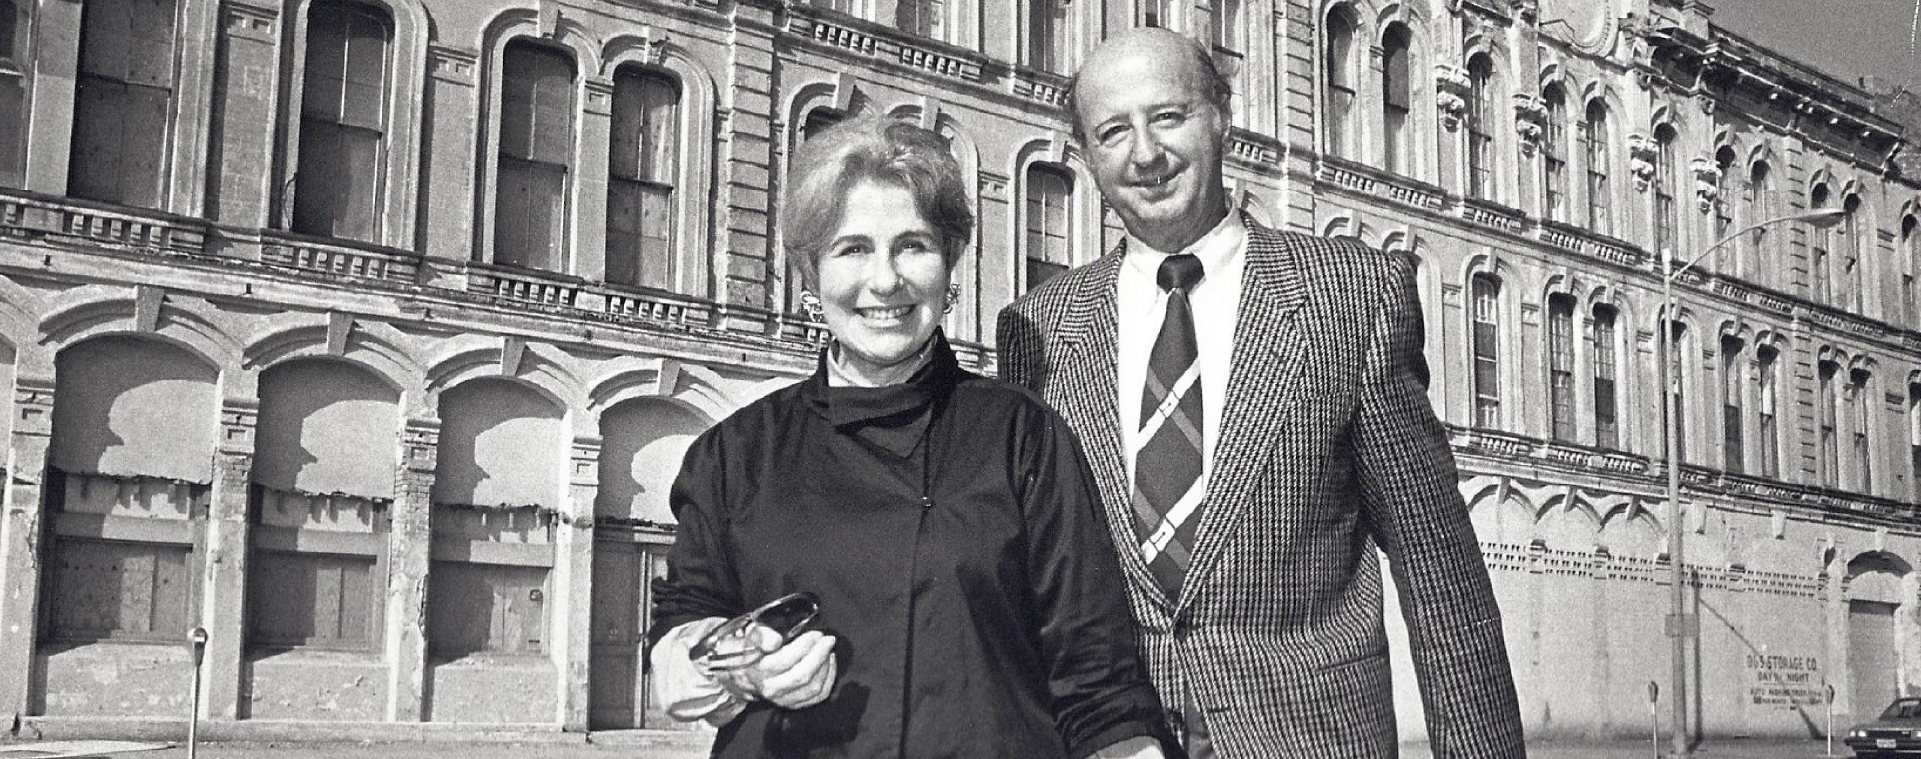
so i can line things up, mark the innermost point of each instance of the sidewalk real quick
(650, 744)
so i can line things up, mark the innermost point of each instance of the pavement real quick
(652, 744)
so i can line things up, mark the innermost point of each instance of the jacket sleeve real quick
(701, 581)
(1413, 504)
(1088, 637)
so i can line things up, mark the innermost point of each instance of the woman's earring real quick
(953, 296)
(810, 303)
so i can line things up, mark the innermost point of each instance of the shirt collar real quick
(893, 417)
(1216, 249)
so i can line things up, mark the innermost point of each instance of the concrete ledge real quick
(147, 729)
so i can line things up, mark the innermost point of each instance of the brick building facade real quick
(366, 334)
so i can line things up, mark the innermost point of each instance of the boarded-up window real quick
(1049, 238)
(1339, 77)
(1486, 350)
(1397, 96)
(485, 608)
(1861, 401)
(1229, 26)
(643, 169)
(1677, 386)
(1759, 192)
(343, 121)
(536, 155)
(313, 599)
(101, 589)
(123, 102)
(324, 461)
(927, 18)
(13, 92)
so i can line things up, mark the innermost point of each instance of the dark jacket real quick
(951, 530)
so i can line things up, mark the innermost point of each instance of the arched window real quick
(1048, 244)
(1725, 187)
(13, 93)
(1228, 31)
(1046, 34)
(1767, 396)
(1677, 385)
(1339, 78)
(643, 169)
(1861, 407)
(1554, 154)
(1155, 13)
(1732, 438)
(926, 18)
(1910, 268)
(1485, 345)
(536, 156)
(1560, 369)
(1607, 430)
(1820, 243)
(1914, 439)
(1853, 250)
(1759, 193)
(1397, 97)
(1666, 184)
(1600, 164)
(343, 121)
(123, 101)
(1481, 122)
(1827, 402)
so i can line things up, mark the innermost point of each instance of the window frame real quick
(1397, 104)
(1560, 367)
(1598, 159)
(664, 183)
(1031, 186)
(1484, 348)
(1479, 119)
(1340, 81)
(1607, 343)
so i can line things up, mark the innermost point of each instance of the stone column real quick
(20, 538)
(224, 586)
(409, 552)
(573, 582)
(590, 181)
(450, 118)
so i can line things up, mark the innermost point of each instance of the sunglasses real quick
(743, 640)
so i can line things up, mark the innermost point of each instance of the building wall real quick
(399, 478)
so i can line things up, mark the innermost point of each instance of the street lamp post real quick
(1680, 626)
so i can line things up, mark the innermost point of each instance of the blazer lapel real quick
(1089, 349)
(1269, 348)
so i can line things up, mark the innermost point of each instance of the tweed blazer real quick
(1328, 449)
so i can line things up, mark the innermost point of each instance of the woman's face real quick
(883, 280)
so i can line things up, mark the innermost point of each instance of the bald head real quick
(1147, 51)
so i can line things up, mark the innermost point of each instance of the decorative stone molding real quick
(1707, 183)
(993, 186)
(1642, 153)
(1530, 121)
(1451, 88)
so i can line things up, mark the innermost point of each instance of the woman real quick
(968, 589)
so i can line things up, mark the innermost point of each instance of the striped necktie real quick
(1168, 488)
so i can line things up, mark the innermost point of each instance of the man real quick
(1254, 405)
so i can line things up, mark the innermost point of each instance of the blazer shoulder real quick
(1340, 266)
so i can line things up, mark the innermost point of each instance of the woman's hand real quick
(792, 676)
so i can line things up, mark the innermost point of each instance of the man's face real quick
(1153, 141)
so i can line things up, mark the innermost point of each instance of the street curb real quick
(150, 729)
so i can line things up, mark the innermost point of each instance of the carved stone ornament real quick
(1707, 183)
(1530, 121)
(1451, 87)
(1641, 156)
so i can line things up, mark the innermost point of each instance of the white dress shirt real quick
(1215, 304)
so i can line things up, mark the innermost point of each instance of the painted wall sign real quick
(1777, 680)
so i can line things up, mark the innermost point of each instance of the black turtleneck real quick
(952, 533)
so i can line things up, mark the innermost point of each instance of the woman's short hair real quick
(827, 166)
